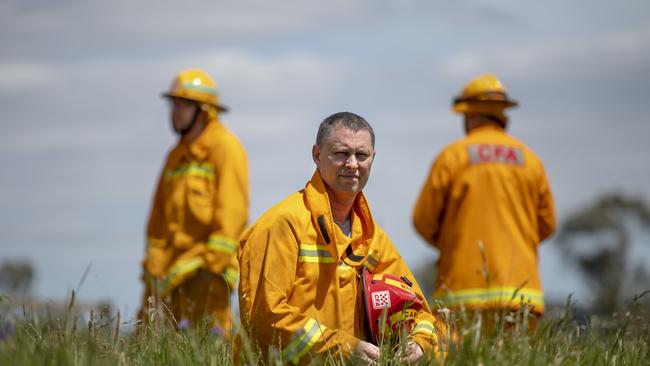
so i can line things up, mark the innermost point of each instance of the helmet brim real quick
(461, 105)
(221, 108)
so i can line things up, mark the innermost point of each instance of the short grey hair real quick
(343, 119)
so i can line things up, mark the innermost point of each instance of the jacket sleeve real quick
(230, 209)
(268, 261)
(429, 208)
(546, 208)
(157, 253)
(429, 332)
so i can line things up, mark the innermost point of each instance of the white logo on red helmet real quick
(380, 299)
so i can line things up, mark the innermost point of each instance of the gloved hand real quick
(156, 261)
(367, 352)
(411, 353)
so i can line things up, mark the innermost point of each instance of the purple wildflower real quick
(7, 329)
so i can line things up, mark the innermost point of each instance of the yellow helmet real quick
(195, 85)
(483, 95)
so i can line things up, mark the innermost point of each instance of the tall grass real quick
(73, 338)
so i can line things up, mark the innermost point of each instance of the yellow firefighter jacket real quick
(486, 205)
(199, 210)
(299, 287)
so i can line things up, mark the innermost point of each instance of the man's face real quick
(344, 160)
(182, 113)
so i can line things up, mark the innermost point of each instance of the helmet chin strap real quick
(187, 129)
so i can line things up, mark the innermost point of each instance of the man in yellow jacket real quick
(486, 205)
(199, 210)
(301, 261)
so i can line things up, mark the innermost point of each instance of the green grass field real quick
(90, 339)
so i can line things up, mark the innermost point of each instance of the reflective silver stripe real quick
(194, 168)
(497, 295)
(473, 154)
(314, 253)
(423, 327)
(303, 340)
(199, 87)
(180, 270)
(230, 275)
(372, 261)
(222, 244)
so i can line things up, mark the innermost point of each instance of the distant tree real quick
(16, 276)
(597, 238)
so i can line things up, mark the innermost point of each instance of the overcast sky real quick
(84, 132)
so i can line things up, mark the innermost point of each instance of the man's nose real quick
(352, 162)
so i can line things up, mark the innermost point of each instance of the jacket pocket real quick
(200, 199)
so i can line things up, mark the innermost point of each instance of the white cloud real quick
(270, 93)
(271, 73)
(16, 77)
(95, 24)
(566, 60)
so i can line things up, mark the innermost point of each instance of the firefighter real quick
(486, 205)
(300, 289)
(199, 210)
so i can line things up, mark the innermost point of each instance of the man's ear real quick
(315, 153)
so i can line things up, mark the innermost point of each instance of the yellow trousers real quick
(490, 320)
(202, 296)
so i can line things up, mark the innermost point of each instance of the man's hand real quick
(412, 353)
(368, 352)
(156, 261)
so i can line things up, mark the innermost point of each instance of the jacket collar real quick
(204, 143)
(362, 225)
(487, 128)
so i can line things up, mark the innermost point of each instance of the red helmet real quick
(388, 299)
